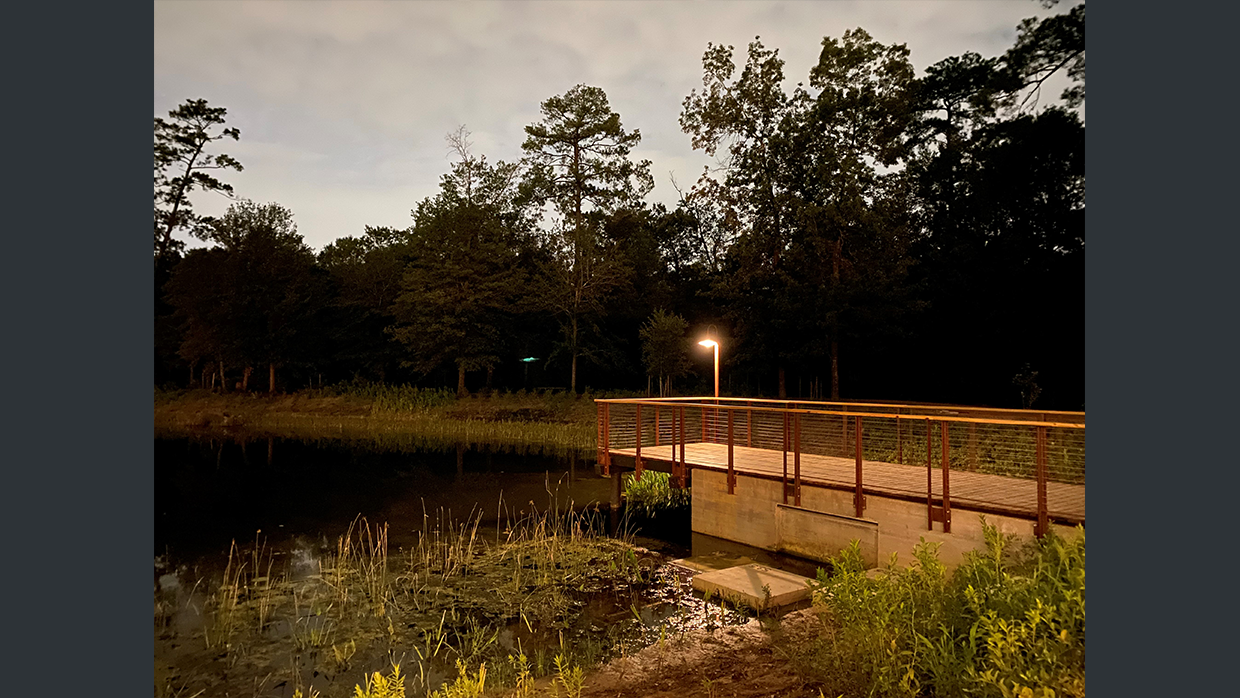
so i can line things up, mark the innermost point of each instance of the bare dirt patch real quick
(731, 662)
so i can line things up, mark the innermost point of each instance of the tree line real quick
(870, 233)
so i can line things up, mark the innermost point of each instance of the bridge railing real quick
(1047, 447)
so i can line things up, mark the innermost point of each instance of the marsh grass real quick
(1008, 622)
(359, 569)
(461, 608)
(243, 598)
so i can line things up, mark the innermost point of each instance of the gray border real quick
(1160, 336)
(79, 481)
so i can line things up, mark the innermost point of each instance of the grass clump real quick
(1007, 623)
(654, 494)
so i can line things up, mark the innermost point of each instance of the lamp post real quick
(527, 361)
(715, 345)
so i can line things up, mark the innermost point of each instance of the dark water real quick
(210, 492)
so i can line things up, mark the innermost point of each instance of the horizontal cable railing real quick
(1045, 447)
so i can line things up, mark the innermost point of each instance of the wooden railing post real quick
(606, 438)
(637, 460)
(947, 499)
(929, 481)
(684, 465)
(785, 481)
(796, 445)
(704, 425)
(731, 472)
(1040, 528)
(672, 436)
(858, 497)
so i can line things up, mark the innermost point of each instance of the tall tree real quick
(579, 162)
(852, 215)
(1044, 48)
(366, 271)
(463, 286)
(1000, 185)
(821, 247)
(664, 348)
(748, 117)
(183, 165)
(250, 301)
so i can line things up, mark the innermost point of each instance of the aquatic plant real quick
(654, 495)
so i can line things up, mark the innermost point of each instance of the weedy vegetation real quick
(1008, 623)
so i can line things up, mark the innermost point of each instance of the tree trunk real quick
(573, 379)
(223, 380)
(783, 386)
(460, 381)
(271, 378)
(166, 243)
(245, 379)
(490, 373)
(835, 367)
(836, 256)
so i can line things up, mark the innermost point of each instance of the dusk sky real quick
(343, 106)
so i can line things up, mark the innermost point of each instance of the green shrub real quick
(1006, 623)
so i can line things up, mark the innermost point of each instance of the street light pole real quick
(716, 370)
(715, 345)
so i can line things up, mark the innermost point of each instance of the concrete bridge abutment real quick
(825, 522)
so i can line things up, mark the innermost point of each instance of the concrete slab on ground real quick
(745, 584)
(712, 561)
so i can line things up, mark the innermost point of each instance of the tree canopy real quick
(183, 165)
(891, 234)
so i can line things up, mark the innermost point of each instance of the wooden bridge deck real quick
(968, 490)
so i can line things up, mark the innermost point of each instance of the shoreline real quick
(556, 423)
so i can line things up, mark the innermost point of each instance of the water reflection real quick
(209, 492)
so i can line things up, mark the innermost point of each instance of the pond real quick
(209, 491)
(284, 565)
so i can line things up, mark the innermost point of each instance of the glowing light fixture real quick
(710, 343)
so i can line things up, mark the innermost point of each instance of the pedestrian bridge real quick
(809, 477)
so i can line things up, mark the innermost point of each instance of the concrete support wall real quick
(825, 522)
(817, 536)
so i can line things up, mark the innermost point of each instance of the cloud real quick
(343, 106)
